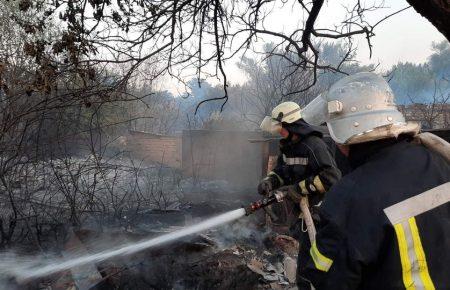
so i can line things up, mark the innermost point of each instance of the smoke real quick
(11, 264)
(242, 231)
(224, 155)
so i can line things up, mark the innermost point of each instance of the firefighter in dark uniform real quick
(305, 163)
(385, 225)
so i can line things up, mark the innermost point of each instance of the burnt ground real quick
(243, 255)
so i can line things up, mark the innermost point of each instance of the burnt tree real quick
(436, 11)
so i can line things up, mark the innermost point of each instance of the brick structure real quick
(154, 148)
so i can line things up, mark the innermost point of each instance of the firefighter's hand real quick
(293, 192)
(265, 187)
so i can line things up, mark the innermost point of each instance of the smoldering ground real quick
(129, 254)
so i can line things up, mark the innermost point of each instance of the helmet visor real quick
(270, 125)
(316, 112)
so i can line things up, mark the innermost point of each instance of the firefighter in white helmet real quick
(305, 165)
(385, 225)
(305, 162)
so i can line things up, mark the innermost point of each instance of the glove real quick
(293, 192)
(265, 186)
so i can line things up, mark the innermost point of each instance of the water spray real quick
(26, 271)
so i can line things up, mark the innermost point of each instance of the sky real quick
(405, 37)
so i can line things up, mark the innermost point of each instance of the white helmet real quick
(287, 112)
(358, 108)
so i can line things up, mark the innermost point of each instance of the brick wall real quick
(154, 148)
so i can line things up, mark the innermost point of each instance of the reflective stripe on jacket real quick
(308, 162)
(380, 226)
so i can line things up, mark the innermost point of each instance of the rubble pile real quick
(200, 264)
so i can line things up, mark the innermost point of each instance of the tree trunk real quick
(436, 11)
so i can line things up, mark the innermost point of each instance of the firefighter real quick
(305, 163)
(385, 225)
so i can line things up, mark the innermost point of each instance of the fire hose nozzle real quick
(276, 196)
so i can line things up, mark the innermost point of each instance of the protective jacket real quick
(306, 161)
(381, 226)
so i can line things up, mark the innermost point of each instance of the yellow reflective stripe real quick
(277, 176)
(321, 262)
(412, 256)
(302, 185)
(406, 264)
(318, 184)
(420, 254)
